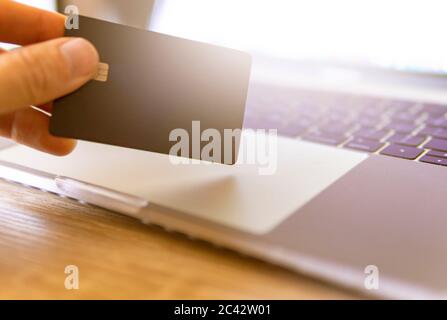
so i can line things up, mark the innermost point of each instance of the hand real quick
(37, 73)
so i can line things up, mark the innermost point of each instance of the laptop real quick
(357, 197)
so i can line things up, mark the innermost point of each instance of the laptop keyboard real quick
(398, 128)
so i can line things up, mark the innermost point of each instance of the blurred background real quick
(134, 13)
(400, 34)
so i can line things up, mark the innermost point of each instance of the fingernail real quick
(81, 57)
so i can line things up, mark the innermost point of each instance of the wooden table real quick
(118, 257)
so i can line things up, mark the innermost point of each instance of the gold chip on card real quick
(102, 73)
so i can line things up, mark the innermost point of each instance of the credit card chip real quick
(102, 73)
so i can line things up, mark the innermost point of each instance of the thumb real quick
(39, 73)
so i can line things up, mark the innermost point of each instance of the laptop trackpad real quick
(387, 212)
(237, 196)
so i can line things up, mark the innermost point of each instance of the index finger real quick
(21, 24)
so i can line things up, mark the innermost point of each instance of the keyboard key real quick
(400, 104)
(427, 131)
(437, 144)
(434, 115)
(335, 128)
(437, 122)
(304, 121)
(400, 151)
(341, 117)
(402, 127)
(370, 103)
(369, 122)
(268, 123)
(434, 160)
(434, 132)
(364, 145)
(372, 112)
(405, 117)
(434, 108)
(309, 112)
(326, 138)
(291, 131)
(372, 134)
(439, 154)
(405, 139)
(418, 108)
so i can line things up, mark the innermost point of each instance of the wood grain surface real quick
(120, 258)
